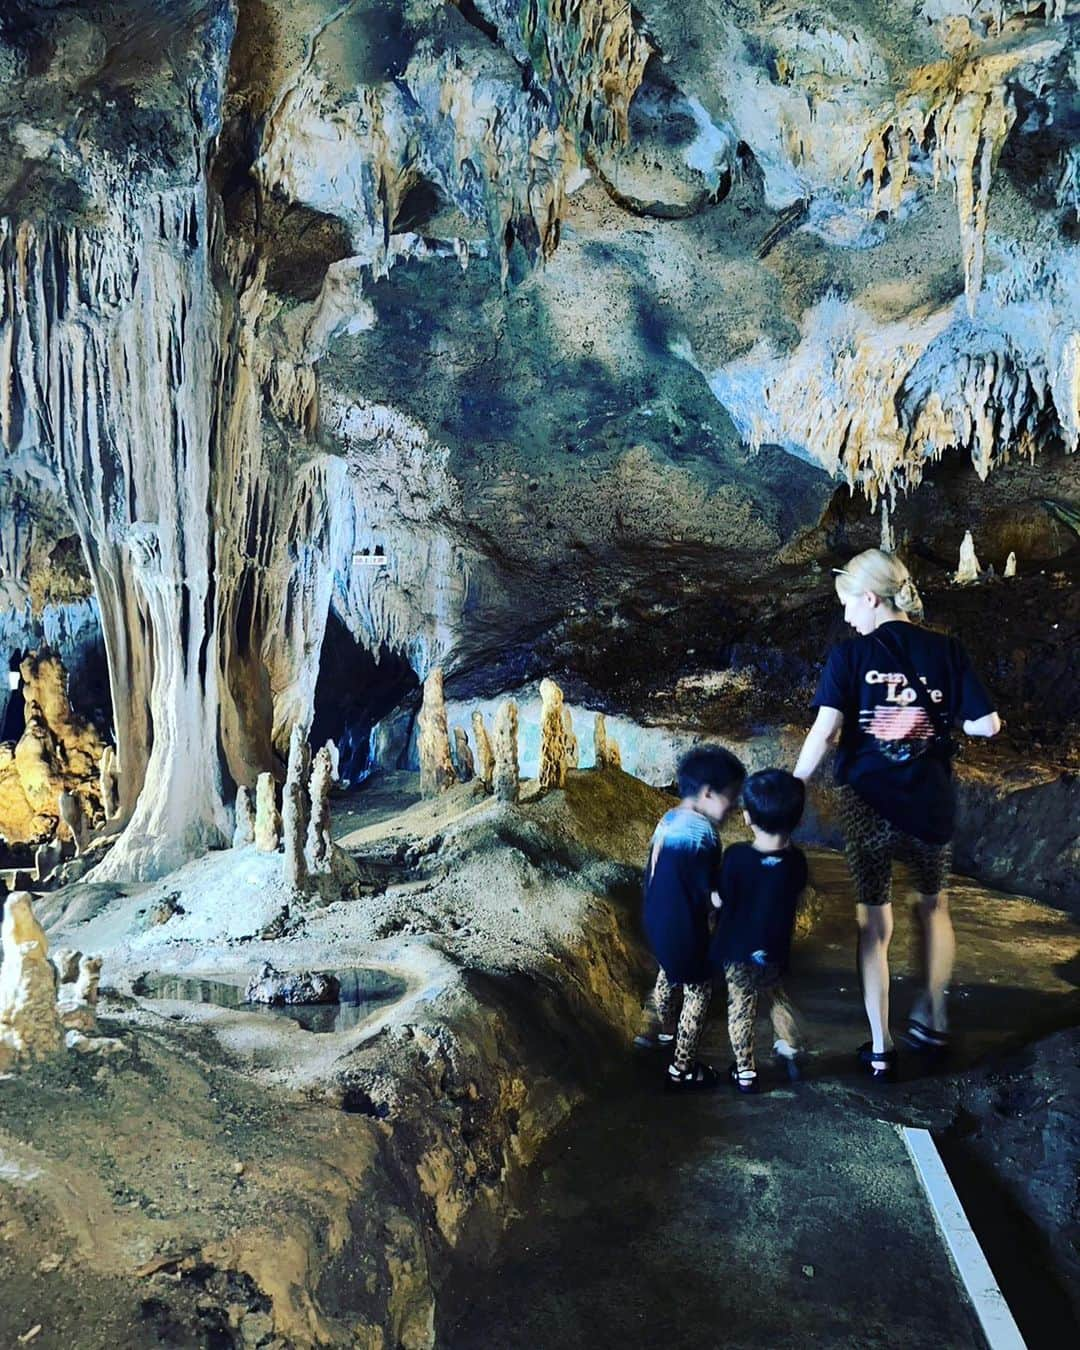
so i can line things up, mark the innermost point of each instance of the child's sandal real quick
(697, 1078)
(745, 1085)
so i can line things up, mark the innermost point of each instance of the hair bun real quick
(907, 598)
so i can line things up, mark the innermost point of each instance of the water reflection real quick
(363, 993)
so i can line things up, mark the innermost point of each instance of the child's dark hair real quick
(774, 800)
(709, 766)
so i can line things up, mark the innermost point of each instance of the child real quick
(680, 876)
(760, 885)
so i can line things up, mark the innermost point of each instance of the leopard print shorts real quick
(870, 845)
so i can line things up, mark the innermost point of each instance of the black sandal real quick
(925, 1039)
(747, 1086)
(879, 1064)
(697, 1078)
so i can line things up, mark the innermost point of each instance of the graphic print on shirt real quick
(902, 729)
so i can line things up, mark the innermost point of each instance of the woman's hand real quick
(989, 725)
(826, 729)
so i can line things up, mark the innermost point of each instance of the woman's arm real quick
(826, 727)
(989, 725)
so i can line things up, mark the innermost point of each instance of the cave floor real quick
(792, 1218)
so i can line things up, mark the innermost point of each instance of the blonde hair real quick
(883, 574)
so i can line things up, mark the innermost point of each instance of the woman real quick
(893, 695)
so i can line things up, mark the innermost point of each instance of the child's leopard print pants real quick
(744, 983)
(695, 1005)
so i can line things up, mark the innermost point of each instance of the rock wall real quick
(480, 323)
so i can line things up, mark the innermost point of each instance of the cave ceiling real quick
(594, 323)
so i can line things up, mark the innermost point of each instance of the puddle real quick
(363, 993)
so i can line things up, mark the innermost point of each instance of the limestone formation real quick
(57, 752)
(1010, 565)
(292, 815)
(244, 829)
(608, 755)
(267, 819)
(294, 810)
(433, 740)
(47, 858)
(505, 780)
(108, 779)
(71, 816)
(77, 999)
(600, 741)
(968, 568)
(463, 756)
(29, 1026)
(485, 758)
(573, 751)
(66, 963)
(319, 843)
(552, 771)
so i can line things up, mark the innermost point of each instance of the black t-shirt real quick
(760, 892)
(893, 751)
(681, 872)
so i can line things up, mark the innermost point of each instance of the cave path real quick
(793, 1218)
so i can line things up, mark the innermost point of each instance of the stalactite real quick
(961, 111)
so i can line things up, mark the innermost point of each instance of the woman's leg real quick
(695, 1005)
(868, 845)
(930, 865)
(742, 1014)
(875, 932)
(939, 953)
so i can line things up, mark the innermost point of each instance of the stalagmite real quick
(292, 814)
(505, 777)
(614, 755)
(433, 743)
(29, 1026)
(76, 1004)
(71, 815)
(47, 859)
(318, 840)
(244, 830)
(108, 783)
(573, 751)
(294, 809)
(66, 963)
(267, 819)
(485, 759)
(552, 771)
(968, 568)
(600, 744)
(463, 756)
(1010, 565)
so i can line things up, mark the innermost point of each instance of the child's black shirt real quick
(682, 869)
(760, 892)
